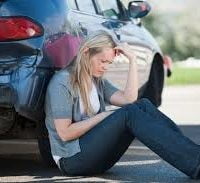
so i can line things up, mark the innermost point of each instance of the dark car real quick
(39, 38)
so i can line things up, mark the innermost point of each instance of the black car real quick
(39, 38)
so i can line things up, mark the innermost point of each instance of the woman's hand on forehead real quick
(125, 49)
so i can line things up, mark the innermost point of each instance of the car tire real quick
(154, 87)
(44, 146)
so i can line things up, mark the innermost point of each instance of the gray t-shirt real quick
(60, 104)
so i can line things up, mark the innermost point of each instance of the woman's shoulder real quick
(61, 77)
(63, 73)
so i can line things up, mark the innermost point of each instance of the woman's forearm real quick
(76, 130)
(130, 92)
(131, 87)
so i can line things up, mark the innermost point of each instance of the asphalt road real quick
(20, 161)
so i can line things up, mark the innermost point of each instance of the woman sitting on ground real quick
(86, 139)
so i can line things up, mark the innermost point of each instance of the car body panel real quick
(26, 66)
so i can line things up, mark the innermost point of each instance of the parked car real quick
(39, 38)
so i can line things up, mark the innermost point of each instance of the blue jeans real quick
(103, 145)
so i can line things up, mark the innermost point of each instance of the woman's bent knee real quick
(145, 100)
(139, 103)
(144, 103)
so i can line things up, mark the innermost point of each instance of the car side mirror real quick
(138, 9)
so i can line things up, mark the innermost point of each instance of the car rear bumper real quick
(7, 96)
(23, 86)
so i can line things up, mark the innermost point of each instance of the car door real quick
(84, 17)
(128, 31)
(81, 18)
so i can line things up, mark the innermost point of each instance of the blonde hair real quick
(82, 73)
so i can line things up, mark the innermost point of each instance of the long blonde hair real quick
(82, 73)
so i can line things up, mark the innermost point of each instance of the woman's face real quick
(101, 61)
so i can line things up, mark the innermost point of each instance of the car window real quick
(72, 4)
(86, 6)
(109, 8)
(126, 2)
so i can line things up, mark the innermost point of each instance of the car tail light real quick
(18, 28)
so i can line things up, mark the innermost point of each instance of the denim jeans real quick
(103, 145)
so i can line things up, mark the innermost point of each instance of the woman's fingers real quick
(118, 50)
(125, 49)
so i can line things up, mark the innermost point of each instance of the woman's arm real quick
(130, 92)
(69, 131)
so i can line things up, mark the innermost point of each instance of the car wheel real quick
(44, 146)
(154, 87)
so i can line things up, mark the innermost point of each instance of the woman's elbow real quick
(67, 136)
(130, 99)
(63, 137)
